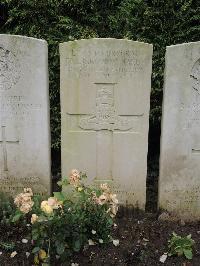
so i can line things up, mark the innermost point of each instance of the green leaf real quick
(77, 245)
(35, 250)
(59, 195)
(7, 246)
(60, 248)
(174, 234)
(35, 234)
(16, 217)
(59, 183)
(188, 253)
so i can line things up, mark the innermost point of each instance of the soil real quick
(142, 240)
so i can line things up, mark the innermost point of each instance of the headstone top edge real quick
(105, 39)
(182, 45)
(23, 37)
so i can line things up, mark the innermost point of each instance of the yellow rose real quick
(45, 207)
(48, 209)
(42, 254)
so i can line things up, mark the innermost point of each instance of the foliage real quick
(7, 211)
(158, 22)
(181, 246)
(65, 223)
(7, 246)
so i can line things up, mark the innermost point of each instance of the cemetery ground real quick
(142, 241)
(142, 237)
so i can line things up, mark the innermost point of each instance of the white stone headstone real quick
(105, 95)
(24, 115)
(179, 185)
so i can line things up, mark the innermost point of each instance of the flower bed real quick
(65, 223)
(79, 227)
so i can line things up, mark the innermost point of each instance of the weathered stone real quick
(105, 92)
(179, 185)
(24, 115)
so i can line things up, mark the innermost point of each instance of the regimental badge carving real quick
(9, 69)
(195, 76)
(105, 117)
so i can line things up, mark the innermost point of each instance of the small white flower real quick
(101, 241)
(116, 242)
(163, 258)
(91, 242)
(93, 232)
(74, 264)
(114, 225)
(28, 254)
(1, 253)
(13, 254)
(28, 225)
(25, 241)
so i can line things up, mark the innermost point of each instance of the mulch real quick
(142, 240)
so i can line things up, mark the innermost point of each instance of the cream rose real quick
(34, 218)
(102, 199)
(74, 177)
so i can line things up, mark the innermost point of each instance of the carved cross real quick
(105, 122)
(4, 143)
(196, 151)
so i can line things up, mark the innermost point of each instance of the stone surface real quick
(179, 185)
(105, 93)
(24, 115)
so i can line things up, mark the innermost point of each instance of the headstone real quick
(179, 185)
(105, 95)
(24, 115)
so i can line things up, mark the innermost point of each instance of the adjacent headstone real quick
(179, 185)
(24, 115)
(105, 95)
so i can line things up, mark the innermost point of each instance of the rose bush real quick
(63, 224)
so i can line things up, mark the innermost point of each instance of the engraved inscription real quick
(12, 106)
(14, 185)
(185, 200)
(9, 69)
(106, 62)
